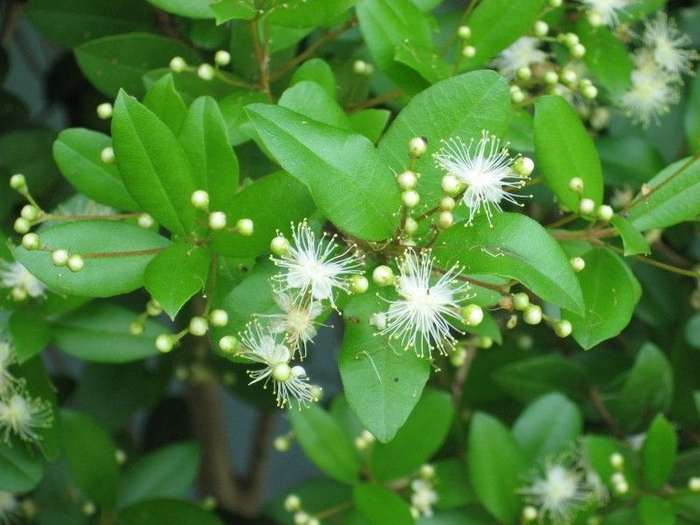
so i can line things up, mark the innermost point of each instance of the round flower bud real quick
(569, 39)
(450, 184)
(205, 72)
(378, 320)
(18, 182)
(301, 518)
(622, 487)
(605, 212)
(75, 263)
(523, 166)
(464, 32)
(586, 206)
(576, 184)
(19, 294)
(89, 508)
(468, 51)
(551, 77)
(281, 372)
(222, 58)
(417, 147)
(523, 73)
(516, 95)
(540, 28)
(359, 67)
(198, 326)
(360, 443)
(59, 257)
(427, 471)
(521, 301)
(578, 50)
(178, 64)
(447, 203)
(165, 343)
(245, 227)
(532, 314)
(410, 198)
(512, 322)
(153, 308)
(30, 212)
(445, 219)
(563, 328)
(407, 180)
(359, 284)
(209, 503)
(458, 357)
(316, 393)
(410, 226)
(136, 327)
(484, 342)
(145, 221)
(472, 315)
(279, 245)
(694, 484)
(617, 461)
(120, 456)
(529, 513)
(568, 77)
(107, 155)
(218, 318)
(200, 199)
(554, 3)
(228, 343)
(104, 110)
(292, 503)
(22, 225)
(589, 92)
(594, 18)
(383, 276)
(577, 263)
(282, 444)
(31, 241)
(217, 220)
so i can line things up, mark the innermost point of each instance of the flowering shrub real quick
(492, 205)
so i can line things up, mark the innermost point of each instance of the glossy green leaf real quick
(110, 249)
(312, 100)
(166, 103)
(205, 140)
(496, 465)
(672, 196)
(385, 24)
(226, 10)
(606, 57)
(498, 23)
(564, 149)
(412, 446)
(461, 106)
(325, 443)
(342, 170)
(119, 62)
(610, 293)
(632, 239)
(169, 472)
(21, 467)
(653, 510)
(370, 122)
(170, 511)
(77, 154)
(628, 159)
(232, 108)
(176, 274)
(380, 506)
(514, 247)
(91, 457)
(153, 165)
(381, 385)
(454, 489)
(547, 427)
(426, 61)
(30, 334)
(659, 452)
(100, 333)
(310, 13)
(692, 124)
(316, 70)
(197, 9)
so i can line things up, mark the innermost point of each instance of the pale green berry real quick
(30, 212)
(165, 343)
(568, 77)
(464, 32)
(200, 199)
(31, 241)
(145, 221)
(484, 342)
(468, 51)
(578, 50)
(245, 227)
(532, 314)
(605, 212)
(523, 73)
(617, 460)
(568, 39)
(359, 67)
(417, 147)
(694, 484)
(563, 328)
(529, 513)
(383, 276)
(576, 184)
(178, 64)
(198, 326)
(206, 72)
(222, 58)
(136, 327)
(75, 263)
(521, 301)
(282, 444)
(107, 155)
(577, 263)
(228, 343)
(551, 77)
(217, 220)
(153, 308)
(104, 111)
(540, 28)
(407, 180)
(18, 182)
(586, 206)
(589, 92)
(218, 318)
(59, 257)
(472, 315)
(410, 198)
(292, 503)
(516, 95)
(279, 245)
(359, 284)
(22, 225)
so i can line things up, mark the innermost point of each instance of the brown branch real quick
(598, 403)
(251, 487)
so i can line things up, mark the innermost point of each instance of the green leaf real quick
(496, 465)
(632, 239)
(312, 100)
(514, 247)
(659, 452)
(205, 141)
(628, 159)
(197, 9)
(547, 427)
(170, 511)
(169, 472)
(370, 122)
(498, 23)
(176, 274)
(232, 108)
(672, 196)
(380, 506)
(606, 57)
(310, 13)
(381, 385)
(21, 468)
(166, 103)
(119, 62)
(30, 334)
(426, 61)
(77, 154)
(385, 24)
(316, 70)
(461, 106)
(412, 446)
(325, 443)
(91, 457)
(110, 249)
(691, 124)
(226, 10)
(652, 510)
(362, 196)
(100, 333)
(564, 150)
(610, 293)
(454, 489)
(153, 165)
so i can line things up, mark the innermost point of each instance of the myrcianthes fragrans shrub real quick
(365, 262)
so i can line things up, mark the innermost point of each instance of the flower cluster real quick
(423, 494)
(604, 12)
(521, 54)
(22, 284)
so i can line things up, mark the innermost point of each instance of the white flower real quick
(14, 275)
(22, 415)
(296, 321)
(484, 168)
(421, 318)
(9, 507)
(652, 92)
(666, 43)
(287, 381)
(7, 358)
(520, 54)
(315, 267)
(423, 497)
(605, 10)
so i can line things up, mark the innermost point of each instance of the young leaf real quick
(610, 293)
(226, 10)
(316, 70)
(564, 150)
(153, 165)
(312, 100)
(347, 180)
(515, 247)
(659, 452)
(21, 468)
(380, 506)
(115, 256)
(166, 103)
(632, 240)
(381, 385)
